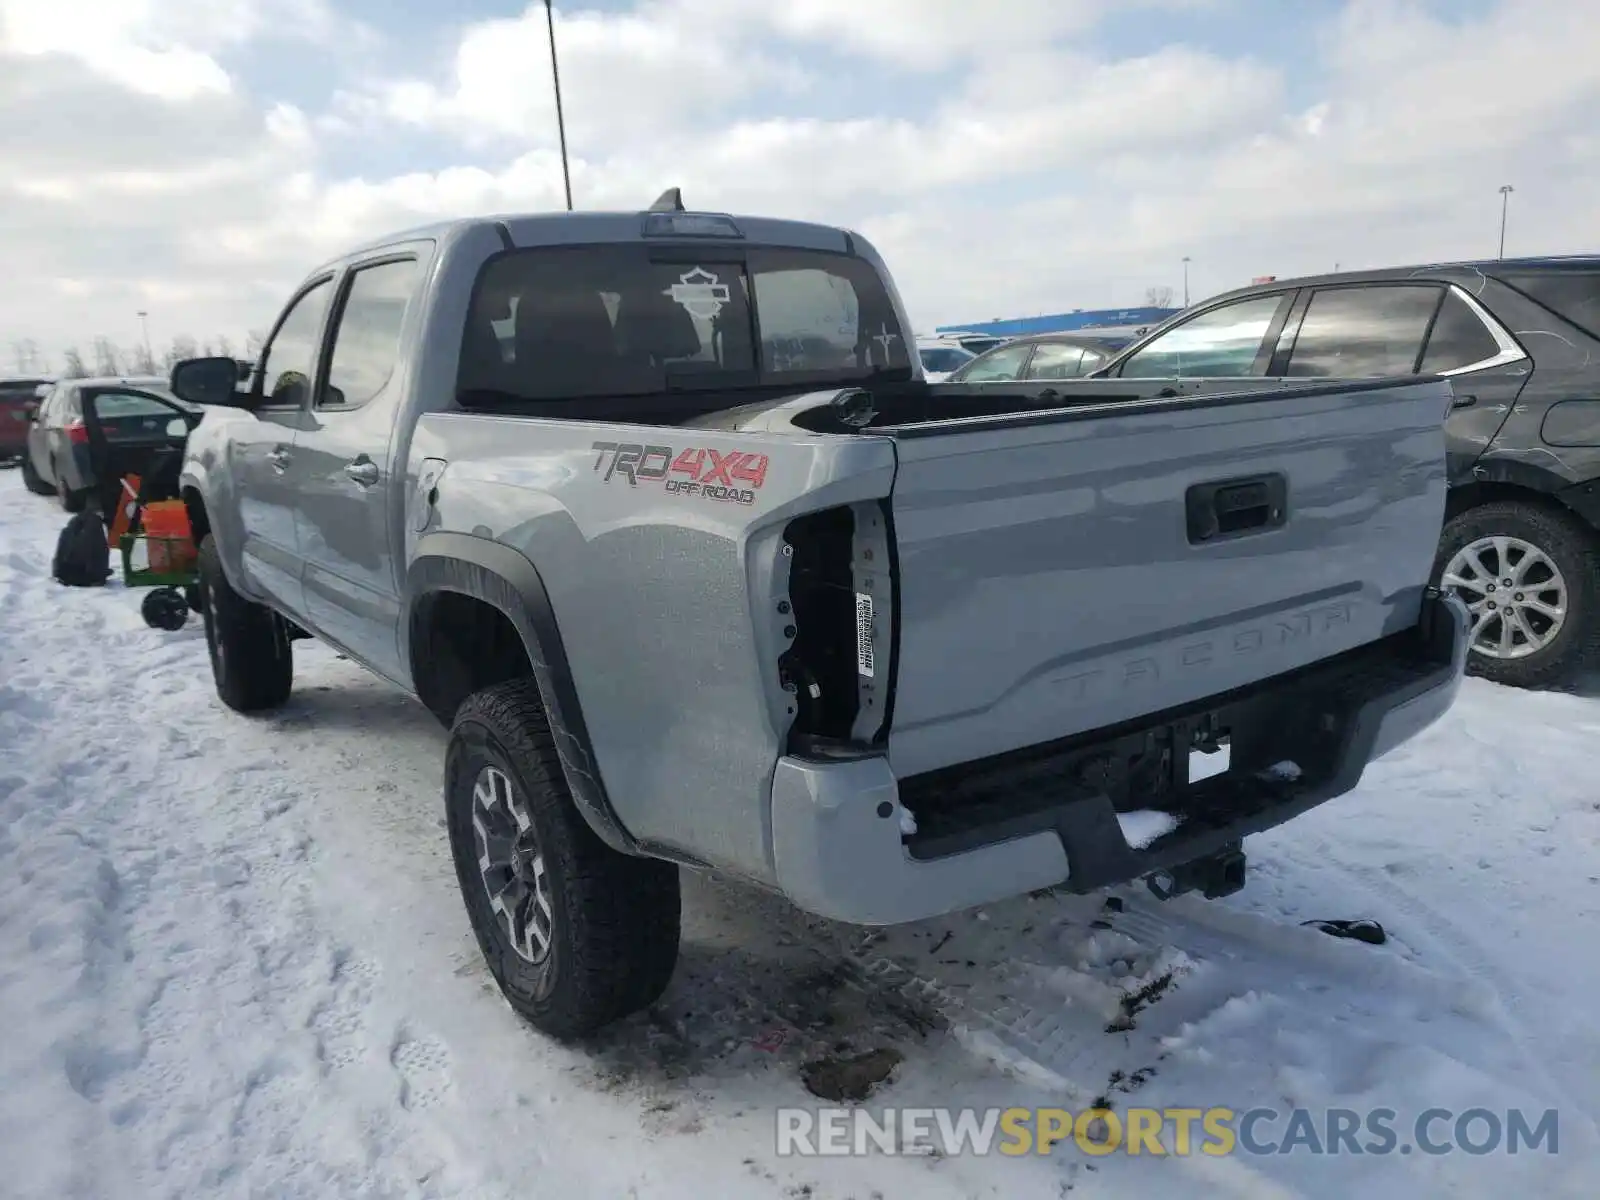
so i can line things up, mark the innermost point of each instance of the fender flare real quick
(507, 581)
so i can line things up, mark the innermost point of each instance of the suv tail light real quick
(77, 432)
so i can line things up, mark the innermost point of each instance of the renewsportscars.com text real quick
(1161, 1131)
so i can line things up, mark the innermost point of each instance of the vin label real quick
(864, 634)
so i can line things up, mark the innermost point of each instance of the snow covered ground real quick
(233, 963)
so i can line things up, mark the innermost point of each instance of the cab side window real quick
(366, 345)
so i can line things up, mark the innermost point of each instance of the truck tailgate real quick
(1065, 571)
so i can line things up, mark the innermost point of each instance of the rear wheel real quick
(1529, 577)
(71, 501)
(251, 660)
(576, 934)
(31, 479)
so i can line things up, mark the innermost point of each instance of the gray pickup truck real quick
(657, 514)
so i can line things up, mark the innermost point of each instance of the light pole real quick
(144, 325)
(1186, 281)
(1505, 200)
(561, 122)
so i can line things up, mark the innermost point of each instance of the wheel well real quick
(199, 519)
(461, 645)
(1473, 495)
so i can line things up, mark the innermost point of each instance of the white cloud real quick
(1041, 177)
(624, 76)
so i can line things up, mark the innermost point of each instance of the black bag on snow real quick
(82, 557)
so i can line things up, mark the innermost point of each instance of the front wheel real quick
(31, 479)
(1529, 577)
(251, 661)
(576, 934)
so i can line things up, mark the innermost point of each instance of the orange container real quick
(169, 539)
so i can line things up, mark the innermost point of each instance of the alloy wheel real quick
(1515, 592)
(512, 865)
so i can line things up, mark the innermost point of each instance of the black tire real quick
(615, 918)
(1570, 545)
(252, 662)
(164, 608)
(71, 501)
(32, 480)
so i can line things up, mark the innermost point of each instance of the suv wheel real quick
(575, 934)
(251, 660)
(1528, 575)
(31, 479)
(71, 501)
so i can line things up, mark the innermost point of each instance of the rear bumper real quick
(992, 830)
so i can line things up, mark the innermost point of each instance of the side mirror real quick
(209, 381)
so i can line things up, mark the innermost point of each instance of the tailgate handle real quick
(1236, 507)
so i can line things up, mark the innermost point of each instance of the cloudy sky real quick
(193, 158)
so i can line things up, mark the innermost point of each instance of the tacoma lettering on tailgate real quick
(731, 476)
(1203, 652)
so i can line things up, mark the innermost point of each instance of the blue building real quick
(1103, 318)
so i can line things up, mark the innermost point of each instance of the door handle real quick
(364, 471)
(279, 459)
(1463, 401)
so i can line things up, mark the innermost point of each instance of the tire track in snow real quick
(1435, 936)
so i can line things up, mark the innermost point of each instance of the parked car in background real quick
(1041, 356)
(940, 356)
(131, 412)
(19, 399)
(1520, 341)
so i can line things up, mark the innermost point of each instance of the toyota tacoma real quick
(657, 514)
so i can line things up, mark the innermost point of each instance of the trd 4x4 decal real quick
(732, 476)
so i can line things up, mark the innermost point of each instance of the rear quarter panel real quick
(666, 601)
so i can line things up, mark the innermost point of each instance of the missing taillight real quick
(841, 590)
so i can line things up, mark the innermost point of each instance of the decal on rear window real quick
(699, 293)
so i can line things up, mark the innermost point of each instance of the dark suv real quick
(1520, 340)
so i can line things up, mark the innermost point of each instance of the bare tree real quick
(1158, 297)
(182, 347)
(106, 361)
(142, 361)
(72, 364)
(253, 341)
(26, 351)
(224, 346)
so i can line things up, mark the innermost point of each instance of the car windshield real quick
(943, 358)
(558, 323)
